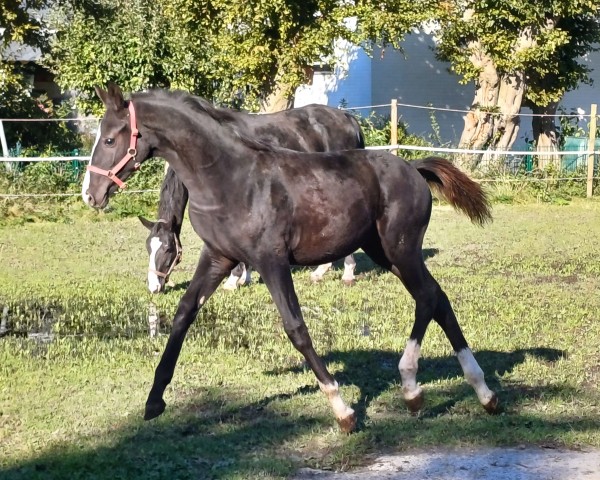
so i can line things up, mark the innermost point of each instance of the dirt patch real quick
(520, 463)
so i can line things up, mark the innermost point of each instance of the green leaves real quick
(233, 53)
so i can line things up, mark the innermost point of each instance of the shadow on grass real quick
(214, 434)
(376, 371)
(221, 441)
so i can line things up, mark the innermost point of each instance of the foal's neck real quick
(203, 154)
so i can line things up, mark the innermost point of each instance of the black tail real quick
(456, 187)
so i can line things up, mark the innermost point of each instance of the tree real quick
(21, 27)
(252, 54)
(516, 53)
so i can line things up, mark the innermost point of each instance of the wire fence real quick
(578, 162)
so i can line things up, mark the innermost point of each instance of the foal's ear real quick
(111, 98)
(146, 223)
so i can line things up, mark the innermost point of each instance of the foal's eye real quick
(109, 142)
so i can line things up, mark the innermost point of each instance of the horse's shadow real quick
(376, 371)
(364, 266)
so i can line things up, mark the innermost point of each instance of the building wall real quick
(415, 77)
(348, 84)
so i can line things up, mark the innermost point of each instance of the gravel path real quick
(521, 463)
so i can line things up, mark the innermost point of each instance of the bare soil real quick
(515, 463)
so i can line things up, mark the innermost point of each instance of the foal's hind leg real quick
(278, 279)
(444, 316)
(431, 302)
(211, 270)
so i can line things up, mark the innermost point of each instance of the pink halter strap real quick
(131, 153)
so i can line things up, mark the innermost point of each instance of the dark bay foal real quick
(272, 207)
(313, 128)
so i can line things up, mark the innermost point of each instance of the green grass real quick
(242, 403)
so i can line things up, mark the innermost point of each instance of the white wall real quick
(349, 83)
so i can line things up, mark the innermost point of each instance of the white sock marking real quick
(408, 366)
(474, 375)
(320, 271)
(231, 283)
(349, 266)
(340, 409)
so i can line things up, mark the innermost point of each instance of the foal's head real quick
(164, 249)
(119, 149)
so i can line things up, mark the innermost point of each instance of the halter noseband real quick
(176, 260)
(131, 153)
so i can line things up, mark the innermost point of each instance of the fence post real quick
(394, 125)
(591, 148)
(3, 140)
(5, 152)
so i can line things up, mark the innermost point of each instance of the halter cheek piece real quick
(175, 262)
(131, 153)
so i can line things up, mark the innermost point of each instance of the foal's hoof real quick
(349, 283)
(347, 424)
(415, 404)
(315, 279)
(492, 406)
(154, 409)
(229, 287)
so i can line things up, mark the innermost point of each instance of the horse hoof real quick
(492, 406)
(415, 404)
(229, 287)
(315, 279)
(154, 409)
(347, 424)
(349, 283)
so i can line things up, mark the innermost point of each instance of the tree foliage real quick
(236, 53)
(23, 28)
(517, 53)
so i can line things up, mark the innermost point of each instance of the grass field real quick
(242, 404)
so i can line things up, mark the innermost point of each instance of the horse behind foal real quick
(301, 208)
(313, 128)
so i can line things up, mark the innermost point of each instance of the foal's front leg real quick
(211, 270)
(278, 279)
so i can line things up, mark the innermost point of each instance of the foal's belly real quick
(323, 235)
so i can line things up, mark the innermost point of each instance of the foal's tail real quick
(456, 187)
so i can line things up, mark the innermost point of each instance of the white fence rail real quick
(509, 158)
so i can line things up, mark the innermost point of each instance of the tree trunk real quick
(281, 96)
(478, 122)
(510, 98)
(501, 94)
(277, 100)
(544, 133)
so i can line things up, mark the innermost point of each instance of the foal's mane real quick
(198, 105)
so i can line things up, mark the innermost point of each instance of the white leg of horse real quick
(246, 277)
(408, 366)
(321, 270)
(343, 413)
(232, 282)
(474, 377)
(349, 266)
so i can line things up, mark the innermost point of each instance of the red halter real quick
(131, 153)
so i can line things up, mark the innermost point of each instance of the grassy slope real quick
(242, 405)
